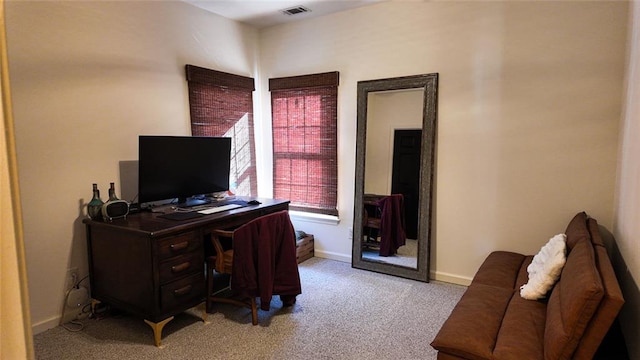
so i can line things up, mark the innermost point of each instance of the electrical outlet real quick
(72, 277)
(350, 233)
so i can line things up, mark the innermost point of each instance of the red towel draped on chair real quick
(264, 260)
(392, 234)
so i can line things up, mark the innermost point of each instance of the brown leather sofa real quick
(492, 320)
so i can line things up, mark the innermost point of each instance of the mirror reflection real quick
(394, 175)
(392, 167)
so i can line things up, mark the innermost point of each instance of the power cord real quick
(78, 325)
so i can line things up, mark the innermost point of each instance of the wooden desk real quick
(153, 267)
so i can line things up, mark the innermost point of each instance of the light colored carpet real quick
(343, 313)
(407, 255)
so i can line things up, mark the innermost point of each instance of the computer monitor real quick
(184, 168)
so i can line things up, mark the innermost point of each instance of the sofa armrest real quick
(573, 302)
(471, 330)
(611, 302)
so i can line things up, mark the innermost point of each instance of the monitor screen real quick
(182, 168)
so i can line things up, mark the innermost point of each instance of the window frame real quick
(324, 86)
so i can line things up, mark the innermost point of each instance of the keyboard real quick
(220, 208)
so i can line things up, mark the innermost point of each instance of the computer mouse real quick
(254, 202)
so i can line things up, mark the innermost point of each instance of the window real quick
(221, 104)
(305, 166)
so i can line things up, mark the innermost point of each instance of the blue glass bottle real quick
(94, 208)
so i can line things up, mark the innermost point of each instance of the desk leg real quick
(157, 329)
(94, 302)
(203, 308)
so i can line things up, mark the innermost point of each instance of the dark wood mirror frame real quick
(428, 82)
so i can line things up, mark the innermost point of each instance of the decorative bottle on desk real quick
(112, 193)
(94, 208)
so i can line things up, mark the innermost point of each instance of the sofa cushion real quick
(545, 269)
(610, 305)
(576, 230)
(445, 356)
(594, 232)
(521, 334)
(572, 303)
(501, 269)
(472, 328)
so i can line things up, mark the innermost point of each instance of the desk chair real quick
(261, 261)
(222, 262)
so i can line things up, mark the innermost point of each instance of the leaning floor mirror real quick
(395, 155)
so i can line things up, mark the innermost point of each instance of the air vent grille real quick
(296, 10)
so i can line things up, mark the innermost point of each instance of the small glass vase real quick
(94, 208)
(112, 193)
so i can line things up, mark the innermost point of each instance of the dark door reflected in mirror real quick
(394, 172)
(405, 175)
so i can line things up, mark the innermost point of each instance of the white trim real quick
(45, 325)
(451, 278)
(434, 275)
(316, 218)
(332, 256)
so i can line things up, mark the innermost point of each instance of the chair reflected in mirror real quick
(371, 218)
(383, 225)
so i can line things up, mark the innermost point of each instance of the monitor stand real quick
(191, 202)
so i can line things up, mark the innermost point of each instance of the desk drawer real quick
(179, 244)
(182, 291)
(180, 266)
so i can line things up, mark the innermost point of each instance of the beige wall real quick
(627, 211)
(529, 108)
(528, 112)
(87, 79)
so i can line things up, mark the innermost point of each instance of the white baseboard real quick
(45, 325)
(435, 275)
(70, 314)
(450, 278)
(332, 256)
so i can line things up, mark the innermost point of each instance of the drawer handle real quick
(182, 291)
(179, 246)
(182, 267)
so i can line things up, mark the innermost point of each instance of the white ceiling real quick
(263, 13)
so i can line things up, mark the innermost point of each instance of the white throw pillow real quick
(545, 268)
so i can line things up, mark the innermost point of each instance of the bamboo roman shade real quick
(221, 105)
(305, 165)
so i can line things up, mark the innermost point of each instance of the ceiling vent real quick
(296, 10)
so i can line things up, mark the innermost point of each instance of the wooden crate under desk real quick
(304, 248)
